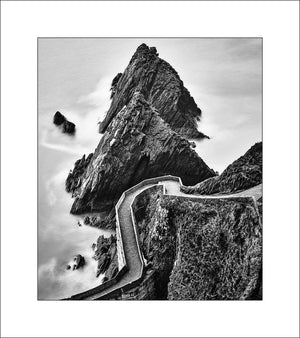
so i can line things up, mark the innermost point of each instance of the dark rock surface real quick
(106, 256)
(202, 250)
(161, 86)
(242, 174)
(222, 258)
(60, 120)
(74, 178)
(137, 144)
(79, 262)
(102, 222)
(68, 127)
(114, 84)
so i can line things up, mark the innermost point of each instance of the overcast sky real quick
(223, 76)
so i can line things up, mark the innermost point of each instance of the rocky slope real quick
(73, 180)
(162, 88)
(201, 249)
(106, 256)
(136, 145)
(242, 174)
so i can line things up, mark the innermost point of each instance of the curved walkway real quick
(134, 262)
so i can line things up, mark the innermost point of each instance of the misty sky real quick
(223, 76)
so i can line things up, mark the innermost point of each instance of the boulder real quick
(68, 127)
(79, 262)
(58, 118)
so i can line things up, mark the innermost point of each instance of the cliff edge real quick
(161, 86)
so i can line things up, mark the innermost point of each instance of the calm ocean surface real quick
(59, 236)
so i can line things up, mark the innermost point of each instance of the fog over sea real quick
(60, 237)
(74, 77)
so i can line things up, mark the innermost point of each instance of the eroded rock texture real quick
(242, 174)
(208, 249)
(161, 86)
(136, 145)
(73, 181)
(106, 256)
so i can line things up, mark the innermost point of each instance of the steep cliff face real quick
(210, 249)
(106, 256)
(137, 144)
(242, 174)
(73, 180)
(162, 88)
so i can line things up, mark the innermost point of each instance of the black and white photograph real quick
(150, 169)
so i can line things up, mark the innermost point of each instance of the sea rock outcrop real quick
(66, 126)
(106, 256)
(161, 86)
(74, 178)
(242, 174)
(100, 222)
(79, 262)
(137, 144)
(58, 118)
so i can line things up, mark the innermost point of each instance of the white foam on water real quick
(60, 237)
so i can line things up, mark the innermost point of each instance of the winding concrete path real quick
(134, 265)
(131, 250)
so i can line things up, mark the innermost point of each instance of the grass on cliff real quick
(206, 249)
(218, 251)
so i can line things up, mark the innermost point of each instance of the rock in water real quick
(137, 144)
(68, 127)
(79, 262)
(58, 118)
(161, 86)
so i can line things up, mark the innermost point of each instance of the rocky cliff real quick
(242, 174)
(206, 249)
(136, 145)
(161, 86)
(106, 256)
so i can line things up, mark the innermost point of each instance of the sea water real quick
(60, 238)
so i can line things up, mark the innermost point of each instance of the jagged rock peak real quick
(137, 144)
(244, 173)
(161, 86)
